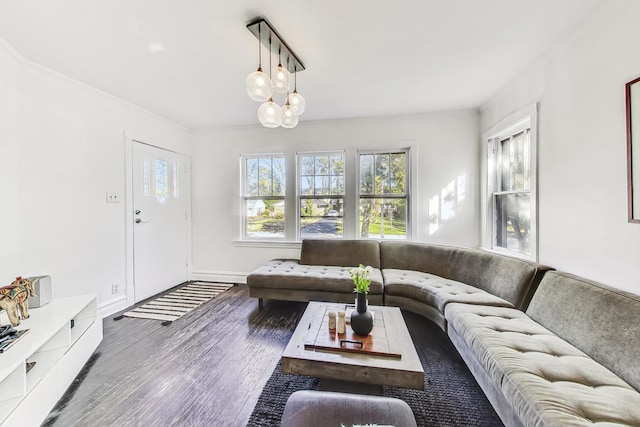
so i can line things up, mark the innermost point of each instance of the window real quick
(162, 180)
(264, 196)
(321, 194)
(511, 190)
(166, 179)
(383, 195)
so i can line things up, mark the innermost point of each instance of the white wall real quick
(61, 148)
(445, 146)
(583, 226)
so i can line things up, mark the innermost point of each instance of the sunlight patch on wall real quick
(155, 48)
(444, 206)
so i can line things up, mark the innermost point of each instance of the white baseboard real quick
(219, 276)
(114, 305)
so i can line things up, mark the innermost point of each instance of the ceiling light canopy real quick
(261, 87)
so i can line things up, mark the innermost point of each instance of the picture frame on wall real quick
(632, 97)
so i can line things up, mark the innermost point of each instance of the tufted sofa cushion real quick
(289, 274)
(603, 322)
(435, 290)
(544, 378)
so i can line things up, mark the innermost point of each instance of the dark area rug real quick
(451, 396)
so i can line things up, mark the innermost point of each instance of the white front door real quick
(160, 219)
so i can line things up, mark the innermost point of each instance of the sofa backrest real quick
(432, 259)
(602, 321)
(512, 279)
(509, 278)
(342, 253)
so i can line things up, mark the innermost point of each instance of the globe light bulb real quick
(281, 79)
(297, 102)
(258, 86)
(289, 118)
(270, 114)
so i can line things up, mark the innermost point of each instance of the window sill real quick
(279, 244)
(508, 253)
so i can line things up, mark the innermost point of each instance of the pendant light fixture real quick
(269, 113)
(263, 88)
(289, 117)
(296, 100)
(281, 77)
(258, 84)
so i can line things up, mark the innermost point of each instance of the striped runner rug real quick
(174, 305)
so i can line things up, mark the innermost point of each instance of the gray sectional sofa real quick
(548, 348)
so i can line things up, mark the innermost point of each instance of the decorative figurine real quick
(332, 320)
(341, 328)
(15, 296)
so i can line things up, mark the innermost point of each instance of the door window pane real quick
(162, 180)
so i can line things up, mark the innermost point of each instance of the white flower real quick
(360, 276)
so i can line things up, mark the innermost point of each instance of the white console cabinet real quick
(62, 336)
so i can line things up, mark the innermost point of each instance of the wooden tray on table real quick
(319, 337)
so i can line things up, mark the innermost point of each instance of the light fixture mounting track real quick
(269, 37)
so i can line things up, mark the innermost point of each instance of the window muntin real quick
(383, 196)
(321, 195)
(264, 196)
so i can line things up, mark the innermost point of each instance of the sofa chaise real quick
(570, 360)
(321, 273)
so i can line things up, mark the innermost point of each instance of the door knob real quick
(138, 220)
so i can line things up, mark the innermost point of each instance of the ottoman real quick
(327, 408)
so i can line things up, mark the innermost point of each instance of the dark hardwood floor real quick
(206, 369)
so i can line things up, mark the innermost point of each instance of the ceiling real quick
(187, 60)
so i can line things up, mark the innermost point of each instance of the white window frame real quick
(244, 197)
(406, 196)
(509, 126)
(300, 196)
(351, 226)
